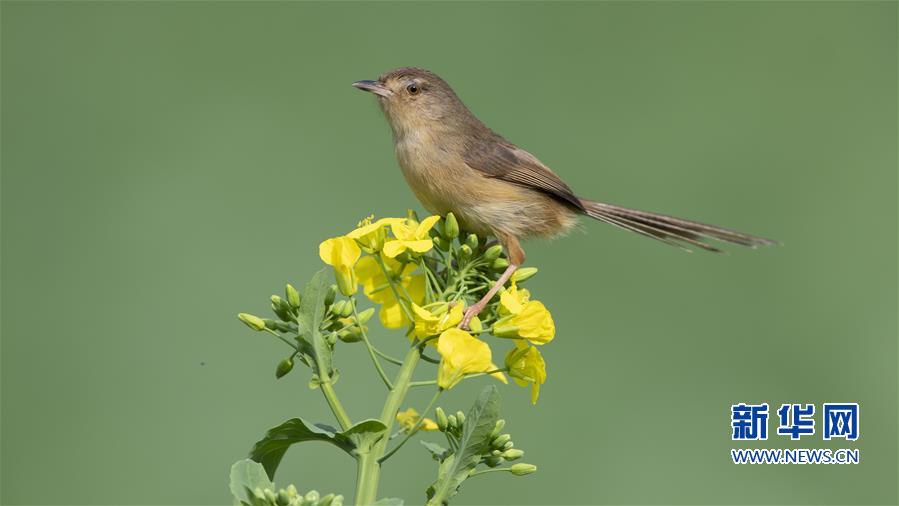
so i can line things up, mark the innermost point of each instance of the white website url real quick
(795, 456)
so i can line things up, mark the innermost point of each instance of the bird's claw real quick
(470, 313)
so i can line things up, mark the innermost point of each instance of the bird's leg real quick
(516, 258)
(473, 310)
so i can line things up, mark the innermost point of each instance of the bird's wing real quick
(499, 159)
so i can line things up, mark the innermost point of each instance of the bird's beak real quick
(374, 87)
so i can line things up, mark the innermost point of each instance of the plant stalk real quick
(331, 396)
(369, 470)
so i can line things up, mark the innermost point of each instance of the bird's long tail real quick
(668, 229)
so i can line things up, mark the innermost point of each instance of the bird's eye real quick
(413, 89)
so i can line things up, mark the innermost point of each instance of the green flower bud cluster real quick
(450, 424)
(286, 309)
(341, 322)
(290, 497)
(501, 447)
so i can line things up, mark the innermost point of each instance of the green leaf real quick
(365, 434)
(389, 501)
(247, 476)
(474, 442)
(436, 450)
(309, 321)
(269, 450)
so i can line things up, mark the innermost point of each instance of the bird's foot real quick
(470, 313)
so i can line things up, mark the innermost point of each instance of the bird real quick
(454, 163)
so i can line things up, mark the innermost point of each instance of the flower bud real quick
(270, 496)
(475, 325)
(284, 367)
(259, 493)
(497, 428)
(328, 500)
(493, 461)
(450, 227)
(283, 498)
(523, 274)
(472, 241)
(282, 309)
(460, 418)
(513, 454)
(523, 469)
(441, 419)
(499, 264)
(331, 295)
(451, 422)
(252, 321)
(507, 446)
(331, 338)
(347, 308)
(493, 252)
(350, 334)
(500, 440)
(346, 281)
(337, 307)
(366, 315)
(465, 251)
(312, 496)
(293, 296)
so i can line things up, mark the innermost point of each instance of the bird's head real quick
(414, 98)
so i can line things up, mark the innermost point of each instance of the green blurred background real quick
(166, 165)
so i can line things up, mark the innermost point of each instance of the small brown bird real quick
(454, 163)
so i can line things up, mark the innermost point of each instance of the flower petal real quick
(420, 246)
(339, 251)
(391, 315)
(425, 226)
(394, 248)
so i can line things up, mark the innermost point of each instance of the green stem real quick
(429, 359)
(494, 470)
(369, 470)
(414, 429)
(279, 336)
(331, 396)
(466, 376)
(387, 357)
(433, 283)
(371, 351)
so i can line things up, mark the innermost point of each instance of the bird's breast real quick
(433, 169)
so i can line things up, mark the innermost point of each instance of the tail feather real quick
(670, 230)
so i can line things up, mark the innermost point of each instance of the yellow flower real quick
(532, 322)
(461, 354)
(411, 236)
(409, 419)
(377, 288)
(342, 254)
(526, 366)
(429, 324)
(512, 300)
(371, 235)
